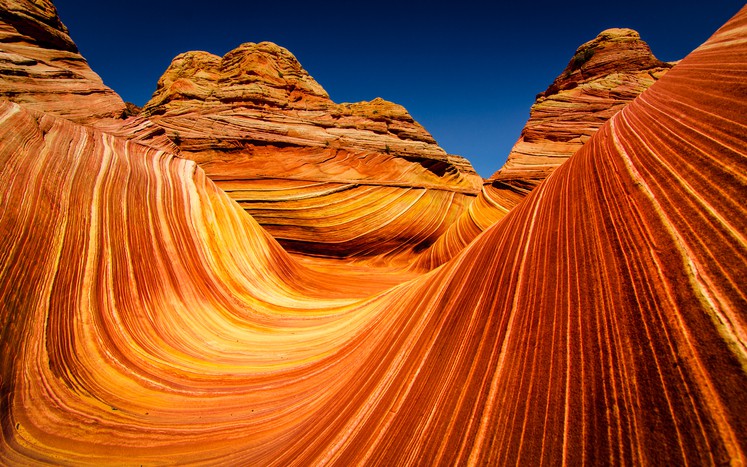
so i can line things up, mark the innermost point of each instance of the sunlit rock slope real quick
(147, 319)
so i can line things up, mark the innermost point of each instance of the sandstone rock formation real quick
(326, 179)
(323, 178)
(146, 318)
(40, 66)
(604, 75)
(131, 110)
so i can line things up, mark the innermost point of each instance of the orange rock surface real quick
(40, 66)
(147, 318)
(328, 179)
(604, 75)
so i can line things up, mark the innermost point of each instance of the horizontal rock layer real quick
(147, 318)
(603, 76)
(255, 116)
(40, 66)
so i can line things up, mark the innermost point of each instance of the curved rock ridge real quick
(138, 129)
(146, 318)
(40, 66)
(353, 179)
(496, 199)
(604, 75)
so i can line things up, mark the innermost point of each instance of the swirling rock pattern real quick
(604, 75)
(496, 199)
(340, 180)
(147, 318)
(138, 129)
(40, 66)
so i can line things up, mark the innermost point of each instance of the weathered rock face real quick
(259, 95)
(147, 319)
(252, 74)
(323, 178)
(40, 66)
(131, 110)
(603, 76)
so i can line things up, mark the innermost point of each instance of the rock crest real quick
(272, 100)
(40, 66)
(604, 75)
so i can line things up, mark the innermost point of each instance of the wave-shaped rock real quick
(147, 318)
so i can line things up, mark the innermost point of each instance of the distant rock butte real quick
(259, 95)
(604, 75)
(131, 110)
(324, 178)
(40, 66)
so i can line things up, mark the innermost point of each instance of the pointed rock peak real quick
(603, 75)
(195, 60)
(268, 63)
(378, 109)
(614, 34)
(616, 50)
(196, 66)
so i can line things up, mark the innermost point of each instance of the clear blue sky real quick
(468, 71)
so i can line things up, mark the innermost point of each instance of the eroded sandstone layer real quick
(604, 75)
(323, 178)
(40, 66)
(146, 318)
